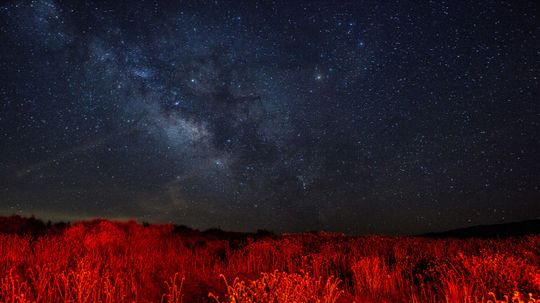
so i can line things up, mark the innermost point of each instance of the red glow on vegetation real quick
(103, 261)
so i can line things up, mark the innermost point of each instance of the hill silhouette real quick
(16, 224)
(513, 229)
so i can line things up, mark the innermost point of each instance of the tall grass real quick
(281, 287)
(102, 261)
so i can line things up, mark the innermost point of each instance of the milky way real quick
(361, 117)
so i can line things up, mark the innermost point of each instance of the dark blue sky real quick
(360, 116)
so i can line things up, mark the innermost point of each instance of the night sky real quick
(358, 117)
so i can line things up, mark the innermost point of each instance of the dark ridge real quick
(180, 229)
(16, 224)
(223, 234)
(28, 226)
(32, 226)
(514, 229)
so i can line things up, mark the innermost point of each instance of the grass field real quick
(103, 261)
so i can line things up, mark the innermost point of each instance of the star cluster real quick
(362, 117)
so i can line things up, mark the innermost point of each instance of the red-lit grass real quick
(281, 287)
(102, 261)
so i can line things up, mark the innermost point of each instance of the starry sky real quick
(352, 116)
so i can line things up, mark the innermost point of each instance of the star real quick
(343, 115)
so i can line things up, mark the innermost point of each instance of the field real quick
(104, 261)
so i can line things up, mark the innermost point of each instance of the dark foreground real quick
(103, 261)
